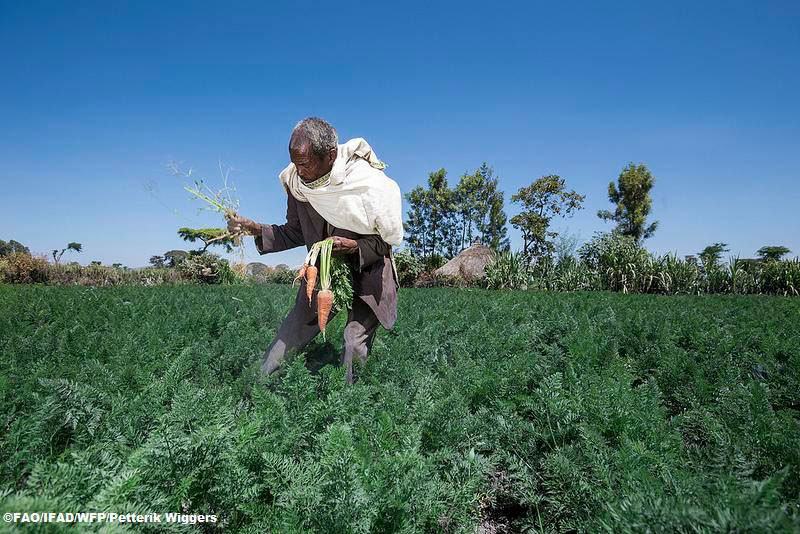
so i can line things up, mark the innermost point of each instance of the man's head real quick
(313, 148)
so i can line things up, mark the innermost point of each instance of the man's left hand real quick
(344, 245)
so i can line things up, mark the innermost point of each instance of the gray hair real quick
(318, 133)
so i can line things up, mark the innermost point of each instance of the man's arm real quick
(367, 249)
(278, 237)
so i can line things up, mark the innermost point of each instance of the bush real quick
(22, 268)
(508, 271)
(621, 264)
(206, 268)
(409, 267)
(433, 262)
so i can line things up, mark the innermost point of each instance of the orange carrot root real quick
(324, 305)
(300, 274)
(311, 281)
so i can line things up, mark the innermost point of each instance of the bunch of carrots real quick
(309, 271)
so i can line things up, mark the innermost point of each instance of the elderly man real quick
(337, 191)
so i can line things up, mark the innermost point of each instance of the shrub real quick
(409, 267)
(621, 264)
(509, 270)
(433, 262)
(206, 268)
(22, 268)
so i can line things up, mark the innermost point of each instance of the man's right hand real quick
(238, 224)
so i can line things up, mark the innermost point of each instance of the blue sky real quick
(96, 98)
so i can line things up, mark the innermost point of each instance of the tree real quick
(416, 227)
(632, 200)
(544, 199)
(172, 258)
(157, 261)
(428, 215)
(77, 247)
(208, 236)
(467, 198)
(772, 252)
(490, 217)
(12, 247)
(441, 221)
(711, 255)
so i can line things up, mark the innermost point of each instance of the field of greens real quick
(484, 411)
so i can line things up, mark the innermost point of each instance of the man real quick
(335, 191)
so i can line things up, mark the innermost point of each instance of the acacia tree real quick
(77, 247)
(208, 236)
(711, 255)
(631, 197)
(173, 257)
(772, 252)
(545, 198)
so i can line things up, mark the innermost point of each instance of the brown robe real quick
(374, 280)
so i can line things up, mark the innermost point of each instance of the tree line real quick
(444, 220)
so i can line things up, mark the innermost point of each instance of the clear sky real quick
(96, 98)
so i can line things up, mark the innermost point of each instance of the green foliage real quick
(544, 199)
(409, 267)
(518, 411)
(772, 252)
(173, 258)
(341, 284)
(208, 236)
(631, 198)
(207, 268)
(509, 270)
(711, 255)
(12, 247)
(77, 247)
(443, 220)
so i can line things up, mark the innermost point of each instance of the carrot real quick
(300, 274)
(311, 281)
(325, 296)
(324, 305)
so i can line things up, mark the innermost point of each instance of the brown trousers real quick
(300, 327)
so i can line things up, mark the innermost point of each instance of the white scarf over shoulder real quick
(359, 196)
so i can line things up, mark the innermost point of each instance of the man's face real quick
(309, 166)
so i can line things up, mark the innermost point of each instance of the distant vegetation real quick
(442, 221)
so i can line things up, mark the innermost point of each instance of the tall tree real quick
(416, 227)
(77, 247)
(772, 252)
(439, 208)
(711, 255)
(429, 224)
(174, 257)
(490, 215)
(157, 261)
(208, 236)
(545, 198)
(467, 198)
(631, 197)
(11, 247)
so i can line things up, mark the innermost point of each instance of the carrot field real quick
(487, 411)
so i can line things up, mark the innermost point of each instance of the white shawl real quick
(359, 197)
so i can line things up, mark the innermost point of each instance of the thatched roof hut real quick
(470, 264)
